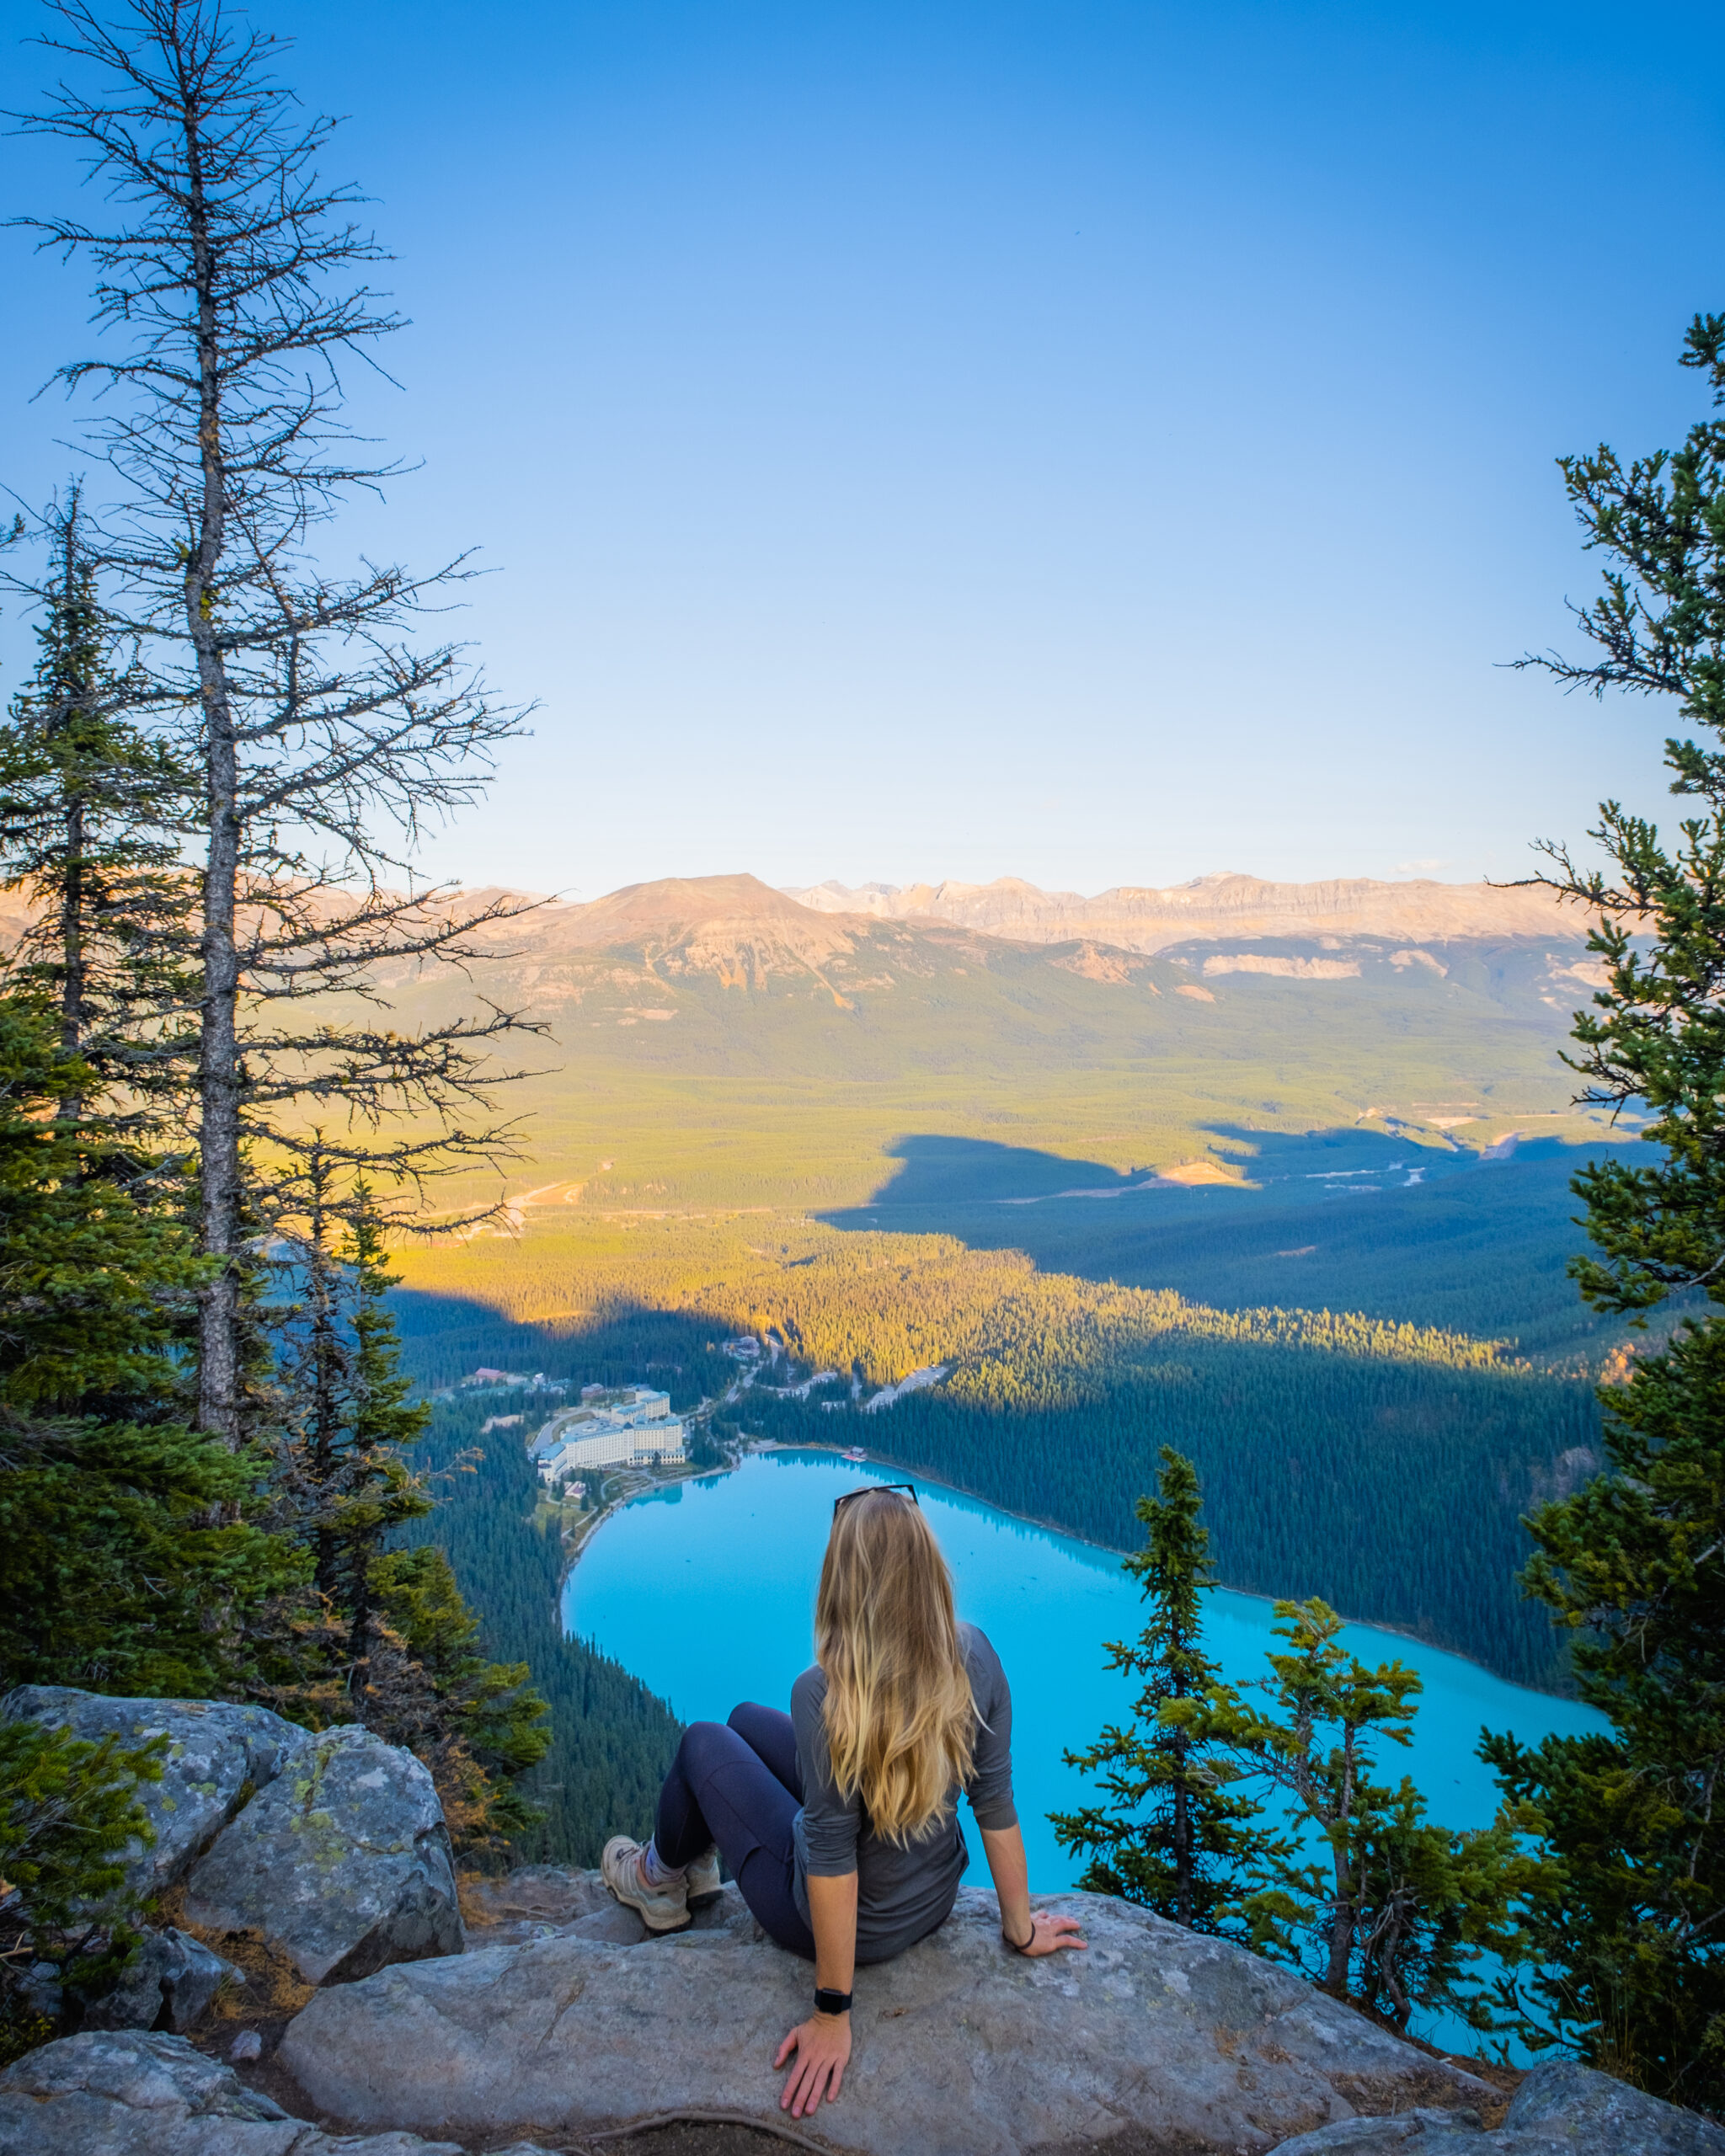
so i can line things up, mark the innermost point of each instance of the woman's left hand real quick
(822, 2044)
(1048, 1935)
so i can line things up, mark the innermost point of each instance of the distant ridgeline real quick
(715, 1043)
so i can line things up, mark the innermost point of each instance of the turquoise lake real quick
(706, 1592)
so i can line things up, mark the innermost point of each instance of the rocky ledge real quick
(1158, 2044)
(1154, 2042)
(134, 2094)
(562, 2026)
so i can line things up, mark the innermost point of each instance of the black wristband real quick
(832, 2002)
(1013, 1943)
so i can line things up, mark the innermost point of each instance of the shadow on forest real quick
(446, 1337)
(1340, 1218)
(1335, 1221)
(1321, 1475)
(934, 1168)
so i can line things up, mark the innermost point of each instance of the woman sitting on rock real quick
(839, 1820)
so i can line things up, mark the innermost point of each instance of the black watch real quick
(832, 2002)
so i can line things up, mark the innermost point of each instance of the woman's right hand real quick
(822, 2044)
(1048, 1935)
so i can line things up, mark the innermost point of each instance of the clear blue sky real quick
(1102, 443)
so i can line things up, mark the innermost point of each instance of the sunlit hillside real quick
(714, 1043)
(1298, 1205)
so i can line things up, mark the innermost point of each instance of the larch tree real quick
(321, 735)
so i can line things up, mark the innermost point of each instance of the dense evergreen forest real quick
(1336, 1220)
(1386, 1467)
(1396, 1494)
(610, 1740)
(881, 1304)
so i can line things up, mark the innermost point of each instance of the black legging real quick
(737, 1784)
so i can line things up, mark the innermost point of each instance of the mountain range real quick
(838, 942)
(1133, 918)
(713, 1041)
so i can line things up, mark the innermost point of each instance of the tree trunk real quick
(73, 953)
(218, 1060)
(1182, 1831)
(1344, 1915)
(1341, 1938)
(74, 984)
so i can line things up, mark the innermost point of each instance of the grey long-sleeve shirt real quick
(902, 1893)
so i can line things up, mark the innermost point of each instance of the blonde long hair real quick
(900, 1721)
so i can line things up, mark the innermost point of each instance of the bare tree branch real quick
(230, 288)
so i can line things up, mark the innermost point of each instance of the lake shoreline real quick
(1251, 1593)
(757, 1446)
(708, 1597)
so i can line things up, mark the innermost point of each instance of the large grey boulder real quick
(1428, 2128)
(1575, 2108)
(1560, 2110)
(217, 1757)
(134, 2095)
(344, 1862)
(171, 1978)
(1155, 2034)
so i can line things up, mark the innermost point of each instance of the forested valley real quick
(1386, 1466)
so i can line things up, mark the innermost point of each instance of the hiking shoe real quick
(702, 1881)
(660, 1909)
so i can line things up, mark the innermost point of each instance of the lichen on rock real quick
(345, 1862)
(217, 1755)
(128, 2093)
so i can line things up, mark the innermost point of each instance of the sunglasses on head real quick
(871, 1489)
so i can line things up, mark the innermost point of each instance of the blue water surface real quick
(705, 1590)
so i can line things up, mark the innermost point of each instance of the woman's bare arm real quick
(822, 2043)
(1038, 1934)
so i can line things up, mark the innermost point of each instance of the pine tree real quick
(68, 1810)
(213, 790)
(320, 736)
(384, 1636)
(1626, 1923)
(345, 1395)
(484, 1724)
(89, 811)
(130, 1560)
(1173, 1834)
(1365, 1895)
